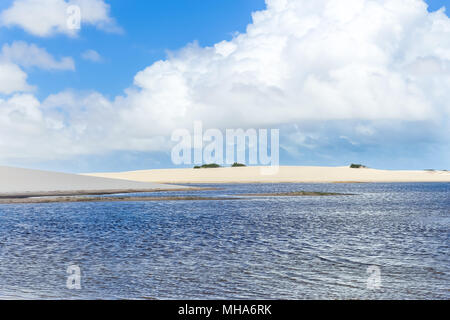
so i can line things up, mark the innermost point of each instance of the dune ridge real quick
(18, 182)
(285, 174)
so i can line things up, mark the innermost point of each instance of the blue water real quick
(257, 248)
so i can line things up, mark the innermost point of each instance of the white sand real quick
(284, 174)
(18, 182)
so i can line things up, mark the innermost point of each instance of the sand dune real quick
(284, 174)
(25, 182)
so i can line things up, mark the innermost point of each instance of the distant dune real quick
(284, 174)
(15, 182)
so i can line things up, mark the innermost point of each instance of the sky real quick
(360, 81)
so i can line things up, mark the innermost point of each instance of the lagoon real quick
(256, 248)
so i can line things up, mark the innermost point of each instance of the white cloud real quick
(304, 60)
(30, 55)
(29, 132)
(12, 79)
(91, 55)
(368, 61)
(20, 54)
(48, 17)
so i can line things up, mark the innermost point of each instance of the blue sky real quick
(151, 29)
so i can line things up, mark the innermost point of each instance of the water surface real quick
(257, 248)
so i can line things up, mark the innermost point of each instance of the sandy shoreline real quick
(22, 183)
(125, 198)
(285, 174)
(92, 193)
(19, 184)
(107, 199)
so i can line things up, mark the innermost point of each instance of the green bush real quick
(357, 166)
(211, 165)
(208, 166)
(236, 164)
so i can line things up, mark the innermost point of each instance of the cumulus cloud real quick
(44, 18)
(12, 79)
(30, 55)
(361, 63)
(301, 61)
(21, 54)
(91, 55)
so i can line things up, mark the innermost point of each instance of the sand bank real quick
(39, 200)
(16, 183)
(285, 174)
(125, 198)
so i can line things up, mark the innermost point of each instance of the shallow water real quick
(257, 248)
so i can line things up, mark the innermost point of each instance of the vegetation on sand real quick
(237, 164)
(208, 166)
(357, 166)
